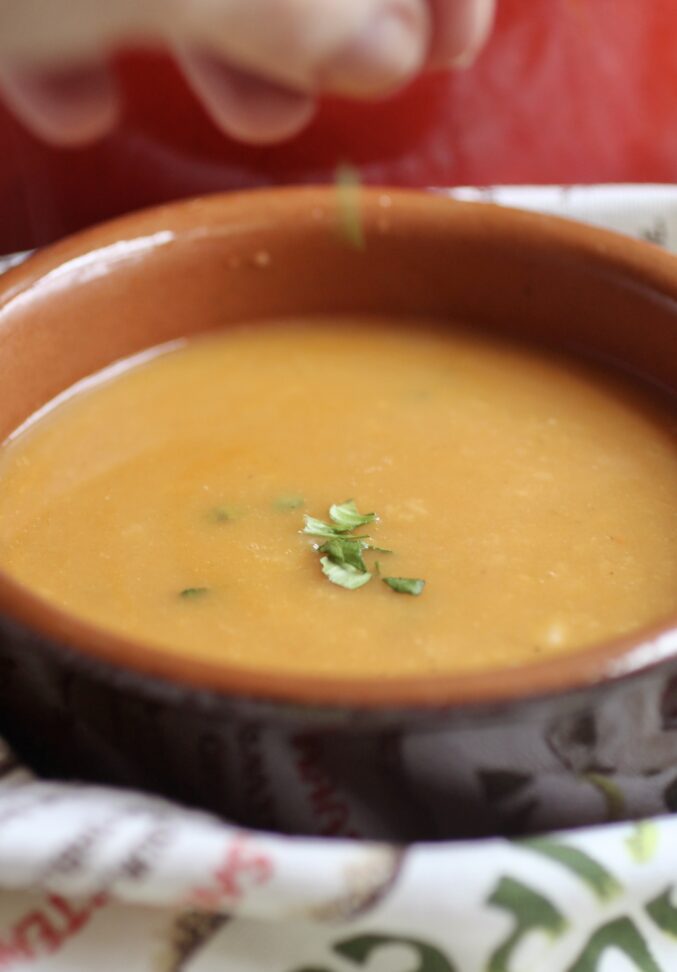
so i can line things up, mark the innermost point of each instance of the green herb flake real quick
(291, 502)
(189, 593)
(318, 528)
(343, 562)
(345, 575)
(345, 550)
(405, 585)
(224, 514)
(350, 224)
(346, 516)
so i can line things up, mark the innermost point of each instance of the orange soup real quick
(524, 502)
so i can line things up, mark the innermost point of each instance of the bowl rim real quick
(619, 658)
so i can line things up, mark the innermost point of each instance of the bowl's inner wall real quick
(173, 280)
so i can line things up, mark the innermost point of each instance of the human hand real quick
(257, 65)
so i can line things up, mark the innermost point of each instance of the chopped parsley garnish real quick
(343, 562)
(344, 575)
(318, 528)
(405, 585)
(346, 516)
(344, 550)
(191, 592)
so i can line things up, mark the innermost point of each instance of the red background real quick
(567, 91)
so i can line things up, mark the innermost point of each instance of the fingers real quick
(357, 48)
(460, 29)
(59, 32)
(348, 46)
(387, 50)
(352, 47)
(256, 64)
(67, 106)
(52, 54)
(244, 106)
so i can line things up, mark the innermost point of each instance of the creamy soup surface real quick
(535, 496)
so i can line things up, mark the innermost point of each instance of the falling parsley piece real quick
(347, 517)
(192, 592)
(350, 225)
(405, 585)
(345, 575)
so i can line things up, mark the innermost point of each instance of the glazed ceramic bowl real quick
(566, 741)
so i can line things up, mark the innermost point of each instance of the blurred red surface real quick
(567, 91)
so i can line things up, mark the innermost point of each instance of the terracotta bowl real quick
(557, 743)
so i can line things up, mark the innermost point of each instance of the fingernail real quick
(388, 51)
